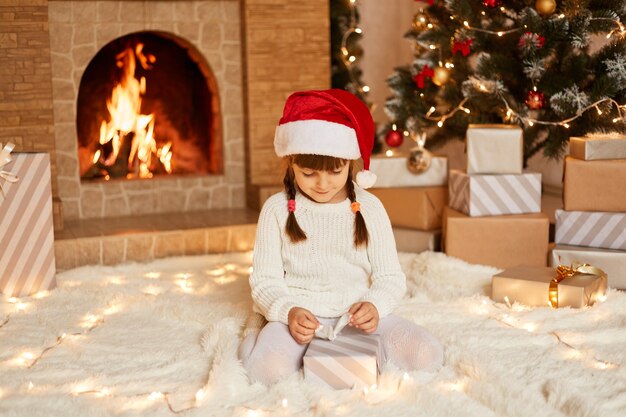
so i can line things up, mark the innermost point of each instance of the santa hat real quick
(327, 122)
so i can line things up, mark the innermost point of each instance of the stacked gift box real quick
(494, 215)
(591, 228)
(413, 201)
(26, 232)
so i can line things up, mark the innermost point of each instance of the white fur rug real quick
(160, 339)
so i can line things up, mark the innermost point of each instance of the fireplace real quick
(148, 105)
(179, 63)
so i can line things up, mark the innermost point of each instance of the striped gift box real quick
(350, 360)
(26, 231)
(488, 195)
(594, 229)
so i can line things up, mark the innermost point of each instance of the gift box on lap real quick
(494, 149)
(351, 359)
(27, 240)
(613, 262)
(488, 195)
(414, 207)
(501, 241)
(531, 285)
(594, 185)
(393, 172)
(598, 147)
(591, 228)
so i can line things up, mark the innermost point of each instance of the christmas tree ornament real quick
(418, 160)
(394, 138)
(420, 21)
(462, 46)
(545, 7)
(420, 78)
(535, 100)
(492, 3)
(441, 75)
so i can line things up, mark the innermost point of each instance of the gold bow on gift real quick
(563, 272)
(5, 158)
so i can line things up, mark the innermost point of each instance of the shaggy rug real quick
(160, 339)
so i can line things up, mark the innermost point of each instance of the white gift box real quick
(350, 360)
(494, 149)
(598, 147)
(392, 171)
(489, 195)
(613, 262)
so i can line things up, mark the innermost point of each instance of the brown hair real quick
(320, 163)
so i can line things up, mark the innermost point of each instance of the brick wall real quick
(26, 117)
(286, 48)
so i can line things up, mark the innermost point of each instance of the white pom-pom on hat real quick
(365, 179)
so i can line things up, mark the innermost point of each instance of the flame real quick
(124, 108)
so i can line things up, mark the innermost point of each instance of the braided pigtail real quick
(361, 236)
(293, 229)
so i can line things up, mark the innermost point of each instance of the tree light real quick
(440, 123)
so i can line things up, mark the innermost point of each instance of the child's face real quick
(323, 186)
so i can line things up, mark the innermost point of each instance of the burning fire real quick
(130, 135)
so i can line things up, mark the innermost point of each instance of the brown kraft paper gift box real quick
(594, 185)
(500, 241)
(414, 207)
(531, 286)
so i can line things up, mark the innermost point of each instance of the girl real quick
(325, 247)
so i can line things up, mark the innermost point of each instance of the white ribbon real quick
(330, 332)
(5, 158)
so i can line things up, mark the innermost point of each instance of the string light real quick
(347, 62)
(572, 352)
(532, 121)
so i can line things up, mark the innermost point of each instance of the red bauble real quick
(535, 100)
(394, 138)
(492, 3)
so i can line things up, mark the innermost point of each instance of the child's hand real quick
(302, 325)
(364, 316)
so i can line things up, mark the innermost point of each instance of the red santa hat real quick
(327, 122)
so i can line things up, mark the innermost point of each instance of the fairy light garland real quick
(372, 394)
(510, 113)
(346, 58)
(532, 327)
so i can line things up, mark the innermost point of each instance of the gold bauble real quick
(545, 7)
(441, 76)
(420, 21)
(418, 160)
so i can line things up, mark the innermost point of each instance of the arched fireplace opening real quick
(148, 105)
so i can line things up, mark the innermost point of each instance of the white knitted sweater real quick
(325, 273)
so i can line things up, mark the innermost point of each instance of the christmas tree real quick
(521, 62)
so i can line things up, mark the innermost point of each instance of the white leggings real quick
(272, 353)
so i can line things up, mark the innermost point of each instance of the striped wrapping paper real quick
(26, 232)
(349, 360)
(488, 195)
(594, 229)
